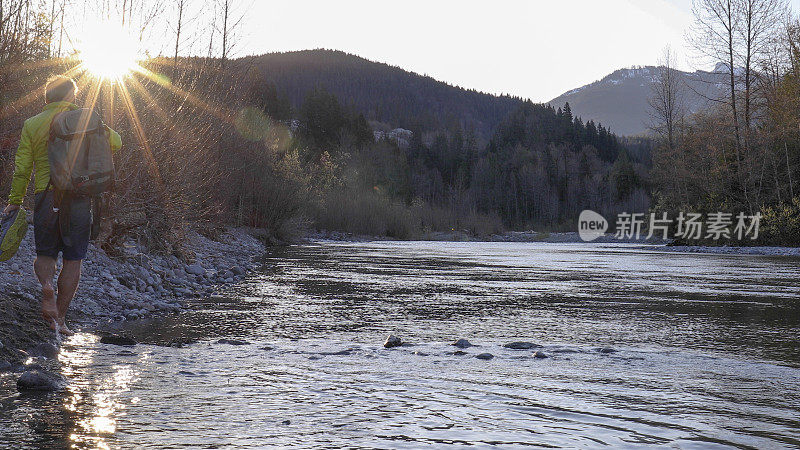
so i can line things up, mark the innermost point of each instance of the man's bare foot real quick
(62, 326)
(49, 307)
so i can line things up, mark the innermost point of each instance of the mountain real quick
(382, 92)
(619, 100)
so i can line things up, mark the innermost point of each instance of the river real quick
(701, 351)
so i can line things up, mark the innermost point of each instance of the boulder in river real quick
(462, 343)
(392, 341)
(521, 345)
(484, 356)
(115, 339)
(606, 350)
(232, 342)
(540, 355)
(39, 380)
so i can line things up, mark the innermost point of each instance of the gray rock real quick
(606, 350)
(44, 350)
(5, 366)
(392, 341)
(115, 339)
(227, 274)
(38, 380)
(195, 269)
(127, 281)
(485, 356)
(229, 280)
(540, 355)
(462, 343)
(521, 345)
(237, 270)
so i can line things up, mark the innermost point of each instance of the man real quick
(60, 92)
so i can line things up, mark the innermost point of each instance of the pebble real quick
(485, 356)
(392, 341)
(195, 269)
(44, 350)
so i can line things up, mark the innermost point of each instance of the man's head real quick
(60, 89)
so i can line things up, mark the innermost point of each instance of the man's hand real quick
(9, 209)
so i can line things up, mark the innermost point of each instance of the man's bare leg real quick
(45, 268)
(68, 281)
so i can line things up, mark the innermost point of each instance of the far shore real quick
(567, 238)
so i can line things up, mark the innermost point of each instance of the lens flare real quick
(108, 52)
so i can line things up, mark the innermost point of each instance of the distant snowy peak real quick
(634, 73)
(619, 100)
(722, 67)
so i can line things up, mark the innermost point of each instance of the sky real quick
(528, 48)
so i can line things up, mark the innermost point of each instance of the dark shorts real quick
(47, 232)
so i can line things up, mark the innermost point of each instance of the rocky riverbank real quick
(134, 285)
(727, 250)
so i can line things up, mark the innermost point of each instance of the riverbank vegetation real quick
(328, 141)
(742, 154)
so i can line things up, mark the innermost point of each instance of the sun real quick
(108, 52)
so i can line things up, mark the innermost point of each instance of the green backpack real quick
(13, 228)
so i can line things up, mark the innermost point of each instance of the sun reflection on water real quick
(96, 398)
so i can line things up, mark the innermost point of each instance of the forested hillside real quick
(382, 92)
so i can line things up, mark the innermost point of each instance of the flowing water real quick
(706, 355)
